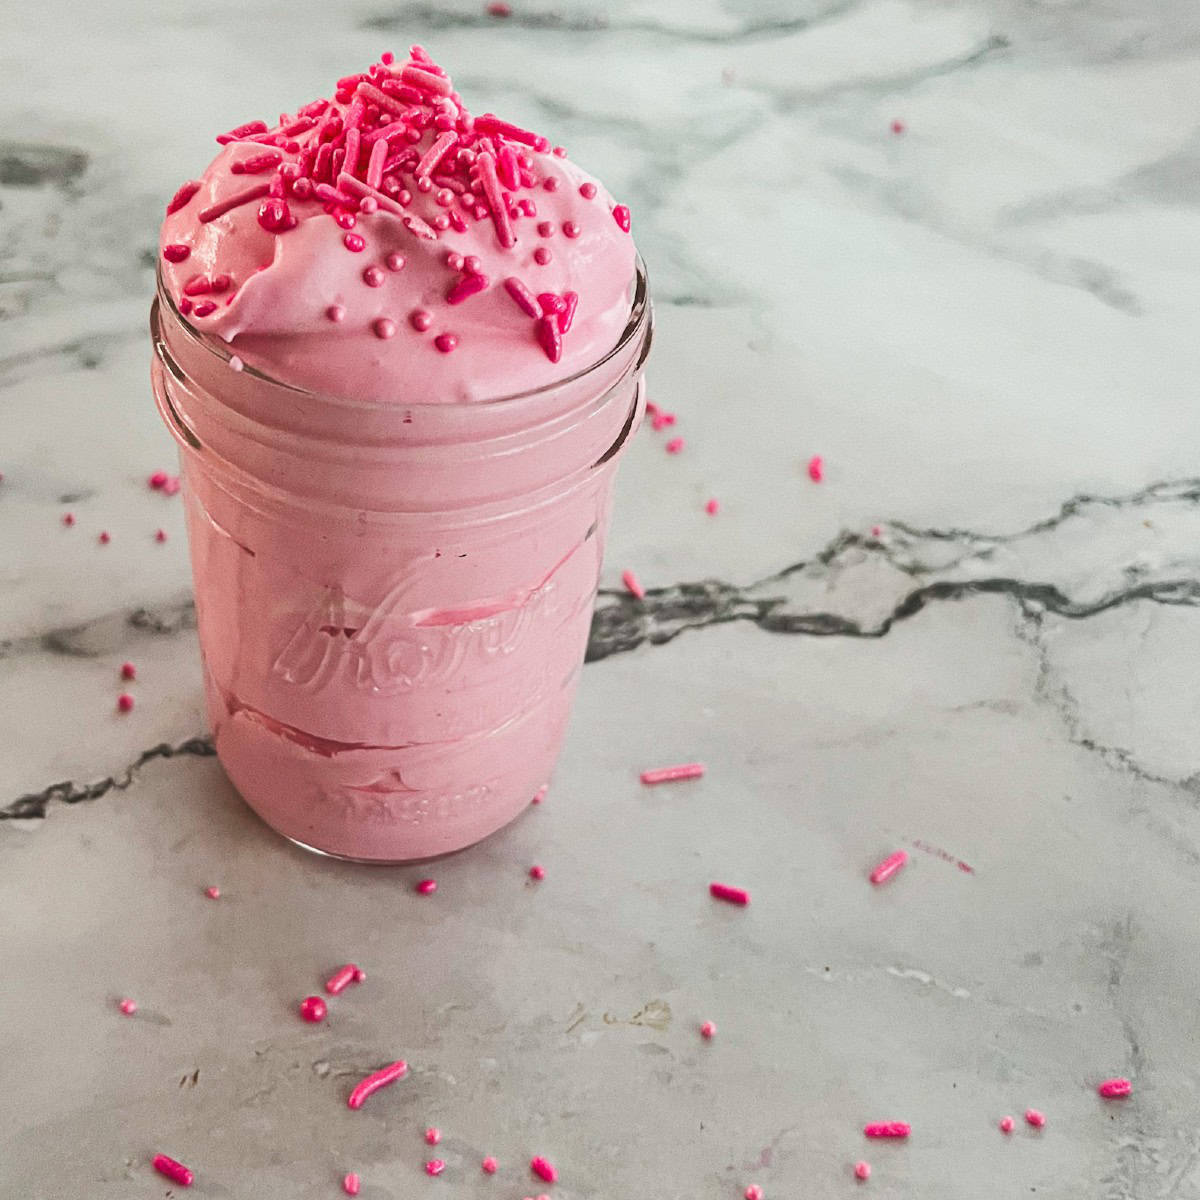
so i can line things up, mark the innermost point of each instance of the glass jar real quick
(393, 600)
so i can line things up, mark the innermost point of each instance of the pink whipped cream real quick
(388, 245)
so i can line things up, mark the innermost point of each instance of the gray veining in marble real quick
(975, 639)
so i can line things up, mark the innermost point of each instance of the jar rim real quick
(639, 324)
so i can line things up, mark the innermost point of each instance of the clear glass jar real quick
(393, 600)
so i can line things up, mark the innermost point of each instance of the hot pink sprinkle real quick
(205, 309)
(181, 197)
(213, 211)
(551, 302)
(1006, 1124)
(888, 1129)
(550, 184)
(160, 535)
(174, 1171)
(360, 975)
(889, 866)
(754, 1192)
(566, 315)
(341, 979)
(549, 337)
(384, 327)
(545, 229)
(128, 1007)
(434, 1166)
(571, 229)
(490, 123)
(157, 480)
(124, 702)
(671, 774)
(373, 1082)
(712, 508)
(128, 671)
(427, 887)
(420, 319)
(466, 287)
(105, 537)
(587, 190)
(434, 155)
(675, 445)
(257, 164)
(213, 893)
(490, 1165)
(537, 872)
(355, 242)
(446, 342)
(275, 216)
(433, 1135)
(542, 256)
(543, 1169)
(176, 252)
(350, 1184)
(708, 1030)
(524, 299)
(1110, 1089)
(313, 1008)
(68, 518)
(816, 468)
(1035, 1118)
(621, 216)
(732, 895)
(242, 131)
(862, 1170)
(634, 587)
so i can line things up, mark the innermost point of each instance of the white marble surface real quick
(985, 323)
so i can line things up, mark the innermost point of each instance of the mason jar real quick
(393, 600)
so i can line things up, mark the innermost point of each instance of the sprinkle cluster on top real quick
(388, 132)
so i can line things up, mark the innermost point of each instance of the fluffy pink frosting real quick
(302, 306)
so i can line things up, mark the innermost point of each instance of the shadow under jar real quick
(393, 600)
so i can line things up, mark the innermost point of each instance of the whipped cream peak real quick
(387, 243)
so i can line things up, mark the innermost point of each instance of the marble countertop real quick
(973, 640)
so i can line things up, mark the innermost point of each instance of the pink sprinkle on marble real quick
(68, 519)
(1111, 1089)
(540, 794)
(158, 480)
(445, 342)
(427, 887)
(887, 1129)
(335, 313)
(490, 1165)
(708, 1030)
(897, 126)
(213, 893)
(395, 262)
(341, 979)
(171, 487)
(1035, 1118)
(160, 535)
(549, 337)
(634, 587)
(754, 1192)
(671, 774)
(722, 891)
(621, 216)
(890, 865)
(128, 671)
(542, 256)
(543, 1169)
(1007, 1124)
(313, 1009)
(435, 1166)
(862, 1170)
(176, 1172)
(377, 1079)
(354, 242)
(816, 468)
(128, 1007)
(105, 537)
(124, 702)
(498, 8)
(712, 508)
(373, 277)
(433, 1135)
(350, 1184)
(176, 252)
(420, 319)
(537, 872)
(383, 327)
(876, 530)
(675, 445)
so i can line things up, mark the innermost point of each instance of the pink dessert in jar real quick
(401, 350)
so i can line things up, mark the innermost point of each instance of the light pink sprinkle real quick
(128, 671)
(712, 508)
(670, 774)
(426, 81)
(816, 468)
(540, 794)
(434, 155)
(498, 8)
(537, 872)
(174, 1171)
(543, 1169)
(1007, 1124)
(634, 587)
(708, 1030)
(876, 530)
(490, 1165)
(675, 445)
(889, 866)
(235, 201)
(490, 123)
(862, 1170)
(435, 1166)
(754, 1192)
(376, 1080)
(124, 702)
(213, 893)
(897, 126)
(731, 895)
(888, 1129)
(171, 487)
(341, 979)
(313, 1009)
(427, 887)
(128, 1007)
(1035, 1118)
(486, 164)
(181, 197)
(350, 1184)
(384, 327)
(1111, 1089)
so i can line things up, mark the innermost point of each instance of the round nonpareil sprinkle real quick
(708, 1030)
(537, 872)
(105, 537)
(350, 1184)
(124, 702)
(712, 508)
(433, 1135)
(68, 519)
(313, 1009)
(335, 313)
(376, 1080)
(753, 1192)
(176, 1172)
(160, 535)
(383, 328)
(128, 671)
(1007, 1124)
(670, 774)
(128, 1007)
(445, 342)
(435, 1166)
(675, 445)
(862, 1170)
(489, 1165)
(213, 893)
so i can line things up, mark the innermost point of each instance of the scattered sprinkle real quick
(862, 1170)
(213, 893)
(888, 1129)
(433, 1135)
(876, 531)
(160, 535)
(355, 243)
(128, 671)
(542, 256)
(816, 468)
(1111, 1089)
(753, 1192)
(732, 895)
(373, 277)
(105, 537)
(434, 1166)
(671, 774)
(634, 587)
(675, 445)
(427, 887)
(376, 1080)
(174, 1171)
(395, 262)
(1035, 1118)
(128, 1007)
(342, 978)
(124, 702)
(497, 8)
(537, 872)
(889, 866)
(897, 126)
(543, 1169)
(158, 480)
(68, 519)
(708, 1030)
(587, 190)
(350, 1184)
(540, 794)
(490, 1165)
(313, 1009)
(420, 319)
(1007, 1124)
(712, 508)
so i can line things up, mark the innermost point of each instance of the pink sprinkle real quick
(128, 1007)
(335, 313)
(634, 587)
(675, 445)
(1006, 1124)
(426, 81)
(376, 1080)
(537, 872)
(174, 1171)
(587, 190)
(446, 342)
(427, 887)
(540, 794)
(671, 774)
(105, 537)
(862, 1170)
(571, 229)
(384, 327)
(181, 197)
(395, 262)
(1035, 1118)
(550, 184)
(355, 242)
(889, 866)
(712, 508)
(490, 1165)
(876, 530)
(549, 337)
(242, 131)
(497, 8)
(128, 671)
(621, 216)
(124, 702)
(213, 211)
(433, 1135)
(373, 277)
(420, 319)
(566, 316)
(313, 1008)
(732, 895)
(176, 252)
(350, 1184)
(171, 487)
(490, 123)
(1110, 1089)
(341, 979)
(816, 468)
(213, 893)
(708, 1030)
(466, 287)
(68, 518)
(542, 256)
(160, 535)
(524, 299)
(434, 155)
(360, 976)
(543, 1169)
(888, 1129)
(754, 1192)
(897, 126)
(486, 164)
(204, 309)
(157, 480)
(434, 1166)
